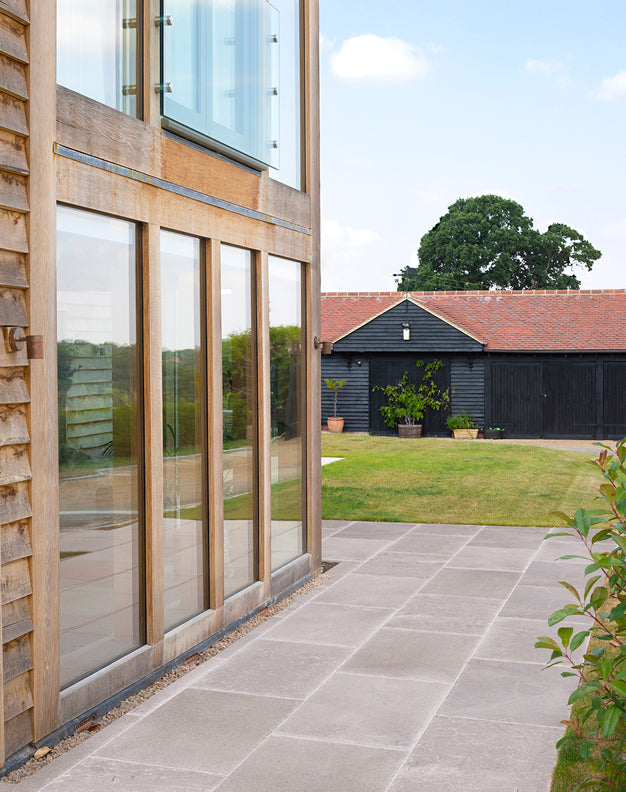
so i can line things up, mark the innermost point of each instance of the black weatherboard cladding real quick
(428, 334)
(353, 398)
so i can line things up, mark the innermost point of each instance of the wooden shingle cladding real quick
(57, 146)
(15, 468)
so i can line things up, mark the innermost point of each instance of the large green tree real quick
(488, 242)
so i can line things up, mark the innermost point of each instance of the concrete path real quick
(412, 669)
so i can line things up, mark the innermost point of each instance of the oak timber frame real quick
(72, 150)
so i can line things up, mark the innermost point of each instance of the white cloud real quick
(346, 238)
(346, 258)
(613, 87)
(548, 68)
(370, 58)
(543, 66)
(326, 44)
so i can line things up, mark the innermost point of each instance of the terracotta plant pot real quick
(465, 434)
(405, 430)
(335, 425)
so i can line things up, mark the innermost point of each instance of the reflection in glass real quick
(98, 390)
(183, 502)
(287, 400)
(239, 427)
(286, 114)
(218, 58)
(97, 50)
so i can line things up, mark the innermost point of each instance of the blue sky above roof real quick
(424, 103)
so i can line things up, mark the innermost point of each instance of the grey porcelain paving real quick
(430, 657)
(351, 549)
(472, 583)
(460, 755)
(277, 668)
(326, 623)
(540, 573)
(428, 544)
(454, 614)
(98, 774)
(367, 710)
(411, 668)
(506, 559)
(375, 530)
(509, 692)
(536, 602)
(514, 640)
(287, 764)
(446, 530)
(508, 536)
(204, 730)
(374, 590)
(400, 565)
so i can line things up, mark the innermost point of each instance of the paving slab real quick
(507, 559)
(494, 690)
(287, 764)
(99, 774)
(429, 544)
(472, 583)
(379, 591)
(401, 565)
(410, 668)
(367, 710)
(446, 614)
(430, 657)
(461, 755)
(349, 548)
(277, 668)
(328, 623)
(375, 530)
(202, 730)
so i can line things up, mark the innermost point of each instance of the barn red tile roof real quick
(501, 320)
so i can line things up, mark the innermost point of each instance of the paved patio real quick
(412, 669)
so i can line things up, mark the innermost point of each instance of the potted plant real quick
(335, 424)
(494, 433)
(406, 404)
(462, 427)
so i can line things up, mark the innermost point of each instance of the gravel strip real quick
(92, 725)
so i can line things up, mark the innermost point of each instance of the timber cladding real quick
(15, 473)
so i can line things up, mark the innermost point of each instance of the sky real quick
(423, 103)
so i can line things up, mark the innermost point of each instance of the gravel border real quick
(92, 725)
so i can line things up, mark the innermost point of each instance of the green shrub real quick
(462, 421)
(597, 728)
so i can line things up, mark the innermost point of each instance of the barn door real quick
(516, 398)
(569, 394)
(389, 371)
(614, 400)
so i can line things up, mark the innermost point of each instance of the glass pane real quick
(286, 117)
(217, 56)
(97, 50)
(239, 427)
(99, 390)
(287, 399)
(183, 501)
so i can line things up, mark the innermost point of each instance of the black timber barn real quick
(536, 363)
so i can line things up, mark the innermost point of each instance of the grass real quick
(430, 480)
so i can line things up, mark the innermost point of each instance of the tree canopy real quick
(488, 242)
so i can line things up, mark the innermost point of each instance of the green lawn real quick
(431, 480)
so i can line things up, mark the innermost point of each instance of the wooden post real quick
(153, 433)
(214, 423)
(264, 421)
(43, 385)
(312, 182)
